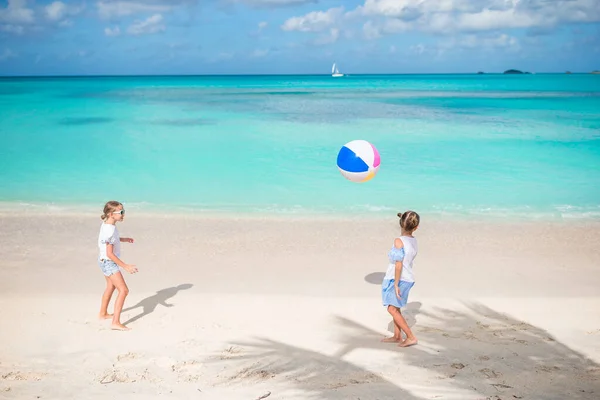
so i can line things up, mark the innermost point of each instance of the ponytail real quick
(409, 220)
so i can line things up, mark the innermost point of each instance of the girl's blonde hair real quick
(409, 220)
(109, 208)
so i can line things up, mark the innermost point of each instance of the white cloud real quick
(150, 25)
(262, 25)
(7, 54)
(314, 21)
(447, 16)
(483, 42)
(16, 12)
(116, 31)
(116, 9)
(330, 38)
(274, 3)
(16, 29)
(371, 31)
(58, 12)
(478, 42)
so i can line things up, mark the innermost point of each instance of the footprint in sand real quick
(520, 327)
(117, 375)
(128, 356)
(490, 373)
(252, 373)
(500, 386)
(470, 335)
(230, 352)
(547, 368)
(481, 325)
(188, 371)
(354, 379)
(23, 376)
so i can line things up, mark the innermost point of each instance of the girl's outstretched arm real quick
(127, 267)
(126, 240)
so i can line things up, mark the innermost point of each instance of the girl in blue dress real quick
(399, 278)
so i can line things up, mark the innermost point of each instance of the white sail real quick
(335, 72)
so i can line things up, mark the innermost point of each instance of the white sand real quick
(292, 307)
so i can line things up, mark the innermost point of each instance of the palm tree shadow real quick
(491, 353)
(149, 304)
(478, 351)
(318, 376)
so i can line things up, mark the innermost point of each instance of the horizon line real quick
(290, 74)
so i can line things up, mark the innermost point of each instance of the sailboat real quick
(335, 72)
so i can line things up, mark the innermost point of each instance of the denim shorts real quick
(108, 267)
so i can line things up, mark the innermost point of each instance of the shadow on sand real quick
(476, 353)
(375, 278)
(149, 304)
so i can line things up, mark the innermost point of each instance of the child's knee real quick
(123, 290)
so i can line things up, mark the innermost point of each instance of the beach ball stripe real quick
(351, 161)
(358, 161)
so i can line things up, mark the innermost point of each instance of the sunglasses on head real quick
(122, 212)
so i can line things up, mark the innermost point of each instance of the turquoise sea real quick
(515, 146)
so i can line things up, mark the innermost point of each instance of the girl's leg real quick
(108, 292)
(401, 322)
(118, 281)
(397, 331)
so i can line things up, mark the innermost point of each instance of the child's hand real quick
(127, 240)
(398, 295)
(130, 268)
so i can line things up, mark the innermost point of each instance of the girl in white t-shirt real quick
(109, 244)
(399, 278)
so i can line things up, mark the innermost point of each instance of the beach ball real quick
(358, 161)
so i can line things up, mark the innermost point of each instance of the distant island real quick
(595, 72)
(515, 71)
(480, 73)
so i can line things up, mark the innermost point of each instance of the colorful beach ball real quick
(358, 161)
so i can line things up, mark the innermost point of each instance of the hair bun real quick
(399, 215)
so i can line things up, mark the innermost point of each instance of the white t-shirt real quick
(410, 252)
(109, 234)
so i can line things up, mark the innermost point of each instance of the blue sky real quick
(73, 37)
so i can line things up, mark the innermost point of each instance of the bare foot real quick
(408, 342)
(119, 327)
(105, 316)
(392, 339)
